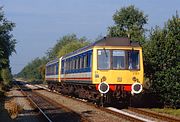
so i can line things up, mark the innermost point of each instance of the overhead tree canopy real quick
(129, 22)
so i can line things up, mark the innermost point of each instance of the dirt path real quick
(19, 107)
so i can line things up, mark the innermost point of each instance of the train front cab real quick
(120, 67)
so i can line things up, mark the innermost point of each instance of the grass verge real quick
(175, 112)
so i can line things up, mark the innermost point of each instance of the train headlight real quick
(136, 88)
(134, 79)
(103, 79)
(103, 87)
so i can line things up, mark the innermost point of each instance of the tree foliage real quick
(7, 46)
(65, 40)
(129, 22)
(162, 61)
(71, 47)
(32, 70)
(6, 75)
(35, 70)
(7, 43)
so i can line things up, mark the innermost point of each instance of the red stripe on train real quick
(69, 79)
(76, 79)
(52, 78)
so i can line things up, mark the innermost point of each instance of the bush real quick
(162, 64)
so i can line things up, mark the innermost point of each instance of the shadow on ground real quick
(4, 116)
(144, 100)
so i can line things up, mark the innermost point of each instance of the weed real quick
(13, 108)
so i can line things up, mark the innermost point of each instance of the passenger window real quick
(57, 68)
(103, 59)
(133, 60)
(71, 65)
(65, 65)
(76, 63)
(68, 64)
(90, 60)
(62, 67)
(85, 61)
(54, 68)
(87, 65)
(118, 59)
(81, 63)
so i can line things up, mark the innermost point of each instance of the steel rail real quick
(147, 113)
(124, 116)
(82, 118)
(52, 102)
(31, 101)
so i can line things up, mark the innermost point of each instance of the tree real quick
(67, 39)
(162, 62)
(31, 71)
(129, 22)
(71, 47)
(35, 70)
(7, 44)
(6, 75)
(41, 70)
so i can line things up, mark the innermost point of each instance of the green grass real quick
(170, 111)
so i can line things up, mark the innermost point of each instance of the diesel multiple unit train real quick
(112, 67)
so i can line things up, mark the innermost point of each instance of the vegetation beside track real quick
(7, 48)
(175, 112)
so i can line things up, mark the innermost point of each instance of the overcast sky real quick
(39, 23)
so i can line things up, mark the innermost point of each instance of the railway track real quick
(110, 110)
(19, 85)
(51, 110)
(149, 114)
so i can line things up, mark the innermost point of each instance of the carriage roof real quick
(107, 41)
(52, 61)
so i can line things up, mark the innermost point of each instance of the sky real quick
(40, 23)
